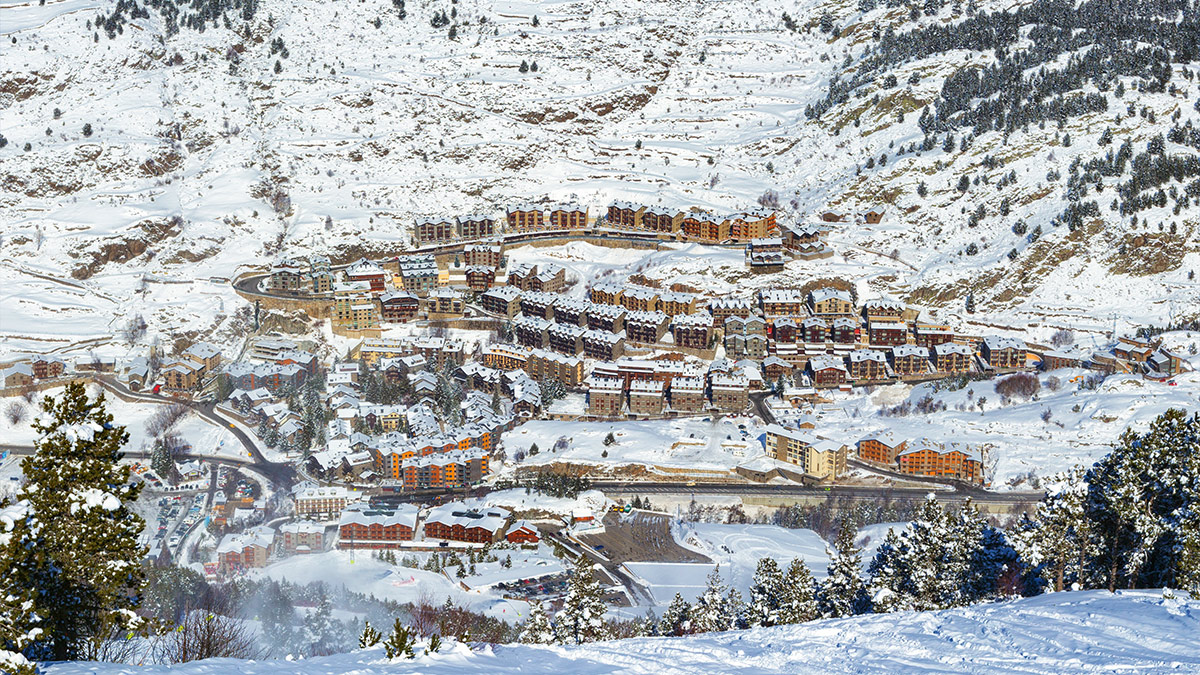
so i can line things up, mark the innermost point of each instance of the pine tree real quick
(278, 618)
(19, 624)
(524, 68)
(766, 597)
(798, 594)
(435, 644)
(400, 642)
(712, 611)
(87, 573)
(323, 633)
(843, 592)
(582, 616)
(160, 460)
(369, 637)
(890, 575)
(676, 620)
(537, 629)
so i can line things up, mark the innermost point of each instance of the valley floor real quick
(1083, 632)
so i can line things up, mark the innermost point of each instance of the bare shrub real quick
(1062, 337)
(15, 412)
(207, 633)
(1018, 384)
(167, 417)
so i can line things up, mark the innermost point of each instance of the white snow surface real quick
(1056, 634)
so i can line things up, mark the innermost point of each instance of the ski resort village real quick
(590, 336)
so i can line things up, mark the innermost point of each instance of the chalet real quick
(909, 359)
(625, 216)
(609, 318)
(659, 219)
(782, 302)
(245, 550)
(365, 270)
(526, 218)
(928, 458)
(765, 255)
(418, 273)
(887, 331)
(751, 225)
(951, 357)
(571, 310)
(674, 303)
(300, 537)
(1138, 351)
(206, 356)
(605, 397)
(289, 275)
(874, 216)
(433, 231)
(881, 448)
(827, 371)
(536, 304)
(646, 327)
(878, 308)
(692, 331)
(531, 331)
(784, 330)
(640, 299)
(565, 338)
(704, 226)
(398, 306)
(46, 366)
(568, 217)
(687, 394)
(1003, 353)
(181, 376)
(376, 528)
(868, 365)
(931, 335)
(646, 398)
(723, 308)
(486, 254)
(480, 277)
(503, 301)
(775, 368)
(729, 392)
(606, 293)
(522, 532)
(444, 300)
(19, 375)
(814, 329)
(795, 237)
(1053, 360)
(602, 345)
(843, 330)
(1166, 364)
(833, 217)
(476, 227)
(831, 302)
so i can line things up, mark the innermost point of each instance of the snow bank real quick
(1089, 632)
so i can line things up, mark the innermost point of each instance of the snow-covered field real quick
(738, 548)
(1057, 634)
(361, 573)
(687, 443)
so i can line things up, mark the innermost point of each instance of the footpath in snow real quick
(1087, 632)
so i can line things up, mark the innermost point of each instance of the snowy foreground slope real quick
(1060, 633)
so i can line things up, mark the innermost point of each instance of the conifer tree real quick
(369, 637)
(323, 633)
(86, 574)
(766, 594)
(843, 592)
(798, 596)
(675, 621)
(537, 629)
(582, 616)
(712, 611)
(400, 642)
(889, 576)
(19, 624)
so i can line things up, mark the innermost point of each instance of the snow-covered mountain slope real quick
(1090, 632)
(188, 154)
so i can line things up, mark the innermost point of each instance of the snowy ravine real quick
(1088, 632)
